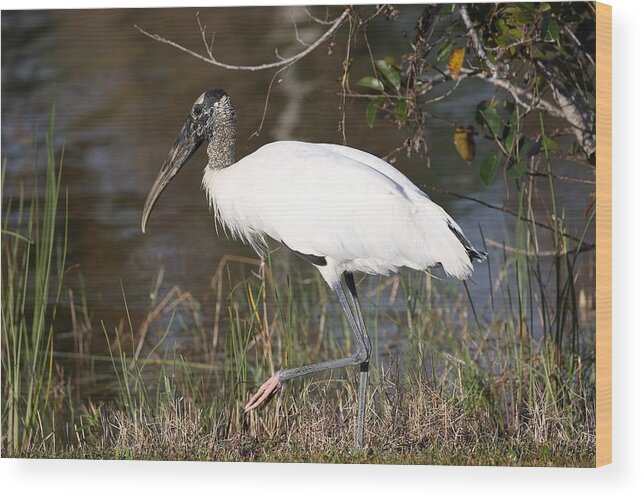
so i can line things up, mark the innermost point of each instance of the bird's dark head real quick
(211, 113)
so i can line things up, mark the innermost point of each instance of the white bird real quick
(341, 209)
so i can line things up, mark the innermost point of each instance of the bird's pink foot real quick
(264, 394)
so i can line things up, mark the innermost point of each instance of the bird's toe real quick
(264, 394)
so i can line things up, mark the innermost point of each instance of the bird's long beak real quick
(184, 146)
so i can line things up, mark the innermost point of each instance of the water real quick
(121, 98)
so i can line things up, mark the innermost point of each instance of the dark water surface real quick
(120, 99)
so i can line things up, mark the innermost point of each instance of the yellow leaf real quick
(464, 143)
(455, 62)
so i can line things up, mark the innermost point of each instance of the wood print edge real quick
(603, 234)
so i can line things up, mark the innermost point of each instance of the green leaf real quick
(489, 167)
(402, 110)
(524, 148)
(446, 8)
(503, 40)
(545, 143)
(482, 105)
(550, 29)
(445, 51)
(390, 73)
(501, 26)
(548, 144)
(517, 15)
(371, 110)
(509, 134)
(517, 33)
(517, 169)
(371, 82)
(492, 120)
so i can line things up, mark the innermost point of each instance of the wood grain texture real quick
(604, 234)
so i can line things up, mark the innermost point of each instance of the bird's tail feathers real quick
(472, 253)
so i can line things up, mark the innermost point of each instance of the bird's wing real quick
(409, 188)
(379, 165)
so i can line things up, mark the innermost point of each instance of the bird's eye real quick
(197, 111)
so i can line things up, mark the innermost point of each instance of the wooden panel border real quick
(603, 234)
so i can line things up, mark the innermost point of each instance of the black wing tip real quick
(472, 253)
(475, 255)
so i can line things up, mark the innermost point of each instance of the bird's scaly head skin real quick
(210, 112)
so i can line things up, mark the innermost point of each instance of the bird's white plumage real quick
(332, 201)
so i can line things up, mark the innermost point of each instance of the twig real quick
(317, 19)
(208, 46)
(265, 104)
(210, 59)
(573, 109)
(520, 95)
(506, 210)
(563, 177)
(108, 358)
(578, 43)
(444, 95)
(582, 248)
(475, 40)
(345, 81)
(294, 24)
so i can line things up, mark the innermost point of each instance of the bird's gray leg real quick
(359, 357)
(363, 367)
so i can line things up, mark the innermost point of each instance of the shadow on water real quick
(120, 99)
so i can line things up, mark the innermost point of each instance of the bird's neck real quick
(221, 148)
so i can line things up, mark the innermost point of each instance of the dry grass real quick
(419, 427)
(453, 394)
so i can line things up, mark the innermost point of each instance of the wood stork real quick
(341, 209)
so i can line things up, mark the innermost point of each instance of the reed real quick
(33, 261)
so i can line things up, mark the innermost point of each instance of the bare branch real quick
(294, 24)
(210, 59)
(523, 97)
(574, 110)
(581, 248)
(562, 177)
(208, 46)
(316, 19)
(265, 105)
(475, 40)
(571, 34)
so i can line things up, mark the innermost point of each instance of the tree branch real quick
(210, 59)
(475, 40)
(570, 108)
(523, 97)
(574, 110)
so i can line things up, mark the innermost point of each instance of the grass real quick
(31, 287)
(509, 381)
